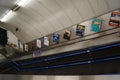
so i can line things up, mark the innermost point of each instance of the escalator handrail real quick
(73, 64)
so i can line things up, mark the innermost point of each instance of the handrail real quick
(73, 64)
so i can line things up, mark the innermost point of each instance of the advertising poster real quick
(115, 19)
(38, 43)
(80, 30)
(26, 47)
(46, 41)
(67, 35)
(32, 46)
(96, 25)
(56, 38)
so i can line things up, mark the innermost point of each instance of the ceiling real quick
(5, 6)
(39, 18)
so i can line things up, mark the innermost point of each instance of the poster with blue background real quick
(56, 38)
(96, 25)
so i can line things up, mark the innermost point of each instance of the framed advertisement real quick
(56, 38)
(25, 47)
(38, 43)
(114, 19)
(80, 30)
(46, 41)
(67, 35)
(96, 25)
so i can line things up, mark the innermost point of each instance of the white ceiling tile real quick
(63, 17)
(53, 9)
(55, 22)
(36, 20)
(99, 6)
(70, 11)
(42, 17)
(113, 4)
(84, 8)
(48, 27)
(56, 10)
(40, 9)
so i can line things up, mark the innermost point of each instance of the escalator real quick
(102, 59)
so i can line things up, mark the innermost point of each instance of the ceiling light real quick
(15, 8)
(22, 2)
(6, 16)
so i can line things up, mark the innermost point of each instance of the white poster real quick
(38, 43)
(46, 41)
(26, 47)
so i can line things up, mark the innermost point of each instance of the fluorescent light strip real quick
(6, 16)
(22, 2)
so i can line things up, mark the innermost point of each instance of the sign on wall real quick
(80, 30)
(38, 43)
(115, 19)
(56, 38)
(46, 41)
(96, 25)
(26, 47)
(67, 35)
